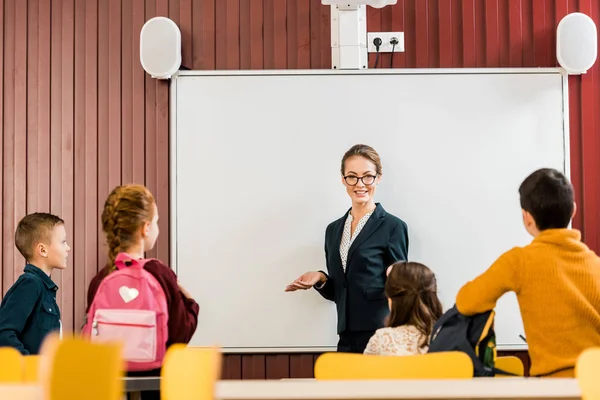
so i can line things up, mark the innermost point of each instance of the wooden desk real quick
(481, 388)
(20, 392)
(34, 392)
(477, 389)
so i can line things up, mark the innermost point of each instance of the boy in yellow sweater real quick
(556, 279)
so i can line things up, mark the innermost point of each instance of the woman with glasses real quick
(359, 247)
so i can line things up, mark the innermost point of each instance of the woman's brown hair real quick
(412, 288)
(362, 150)
(126, 210)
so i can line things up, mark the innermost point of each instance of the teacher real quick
(359, 247)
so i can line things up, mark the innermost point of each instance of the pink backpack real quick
(130, 306)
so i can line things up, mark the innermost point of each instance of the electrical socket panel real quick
(386, 46)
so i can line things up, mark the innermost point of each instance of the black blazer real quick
(358, 292)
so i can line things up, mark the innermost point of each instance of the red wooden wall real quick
(79, 116)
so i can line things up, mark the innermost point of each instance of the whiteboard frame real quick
(417, 71)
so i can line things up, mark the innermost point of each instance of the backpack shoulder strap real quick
(498, 371)
(124, 260)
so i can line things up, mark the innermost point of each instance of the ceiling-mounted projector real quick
(372, 3)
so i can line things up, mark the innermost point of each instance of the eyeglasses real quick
(366, 180)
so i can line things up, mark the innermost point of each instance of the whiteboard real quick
(255, 160)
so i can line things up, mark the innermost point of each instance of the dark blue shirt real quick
(29, 311)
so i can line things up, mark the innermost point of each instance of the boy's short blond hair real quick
(33, 229)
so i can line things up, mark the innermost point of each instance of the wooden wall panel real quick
(78, 115)
(282, 366)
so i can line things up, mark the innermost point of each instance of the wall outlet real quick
(386, 46)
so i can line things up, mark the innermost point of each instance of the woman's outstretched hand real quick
(306, 281)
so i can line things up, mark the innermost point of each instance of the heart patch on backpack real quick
(128, 294)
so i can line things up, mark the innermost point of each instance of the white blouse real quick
(348, 237)
(399, 341)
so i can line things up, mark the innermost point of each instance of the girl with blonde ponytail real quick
(130, 223)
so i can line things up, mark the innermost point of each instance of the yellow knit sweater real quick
(557, 282)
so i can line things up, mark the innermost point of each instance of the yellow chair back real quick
(11, 365)
(30, 368)
(75, 368)
(190, 373)
(343, 366)
(510, 364)
(586, 373)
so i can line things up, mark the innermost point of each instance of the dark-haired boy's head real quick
(41, 239)
(547, 200)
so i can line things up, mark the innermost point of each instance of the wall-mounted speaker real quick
(576, 43)
(160, 47)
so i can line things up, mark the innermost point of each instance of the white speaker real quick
(372, 3)
(160, 47)
(576, 43)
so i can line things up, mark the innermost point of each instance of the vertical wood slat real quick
(254, 366)
(527, 33)
(277, 366)
(503, 33)
(56, 182)
(44, 98)
(515, 35)
(590, 143)
(457, 34)
(19, 150)
(161, 160)
(446, 39)
(20, 123)
(315, 33)
(576, 148)
(298, 34)
(8, 91)
(138, 87)
(151, 127)
(480, 36)
(227, 31)
(127, 59)
(275, 32)
(325, 37)
(203, 33)
(185, 25)
(114, 93)
(38, 118)
(251, 31)
(433, 33)
(79, 239)
(540, 33)
(66, 150)
(103, 161)
(232, 366)
(468, 39)
(302, 365)
(292, 34)
(492, 43)
(35, 175)
(91, 146)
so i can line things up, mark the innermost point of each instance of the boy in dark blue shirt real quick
(29, 310)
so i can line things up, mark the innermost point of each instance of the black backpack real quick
(472, 335)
